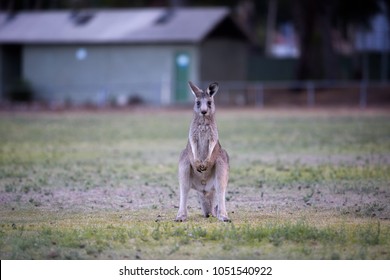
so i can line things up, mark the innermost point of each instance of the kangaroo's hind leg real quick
(221, 182)
(185, 186)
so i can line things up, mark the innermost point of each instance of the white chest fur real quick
(204, 137)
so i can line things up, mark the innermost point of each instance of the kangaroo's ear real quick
(195, 90)
(212, 89)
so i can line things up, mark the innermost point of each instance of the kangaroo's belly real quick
(203, 183)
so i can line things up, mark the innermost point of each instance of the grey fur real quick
(203, 164)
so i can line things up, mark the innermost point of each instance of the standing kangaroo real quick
(203, 164)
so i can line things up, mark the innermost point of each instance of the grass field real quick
(303, 185)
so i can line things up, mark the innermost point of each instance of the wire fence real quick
(304, 93)
(361, 94)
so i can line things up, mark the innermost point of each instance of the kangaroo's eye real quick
(198, 103)
(209, 103)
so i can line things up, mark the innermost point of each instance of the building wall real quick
(223, 60)
(98, 74)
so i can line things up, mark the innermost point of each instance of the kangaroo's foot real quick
(224, 219)
(181, 218)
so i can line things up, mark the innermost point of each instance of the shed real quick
(101, 55)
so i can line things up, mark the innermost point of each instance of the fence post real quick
(259, 95)
(310, 94)
(363, 94)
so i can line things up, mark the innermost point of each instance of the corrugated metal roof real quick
(154, 25)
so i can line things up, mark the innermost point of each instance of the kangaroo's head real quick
(204, 100)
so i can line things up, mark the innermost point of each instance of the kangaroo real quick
(203, 164)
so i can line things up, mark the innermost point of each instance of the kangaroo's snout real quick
(203, 106)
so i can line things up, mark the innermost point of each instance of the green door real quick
(182, 75)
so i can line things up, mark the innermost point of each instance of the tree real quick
(315, 21)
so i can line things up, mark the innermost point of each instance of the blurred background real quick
(115, 53)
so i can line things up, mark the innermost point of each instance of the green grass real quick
(303, 185)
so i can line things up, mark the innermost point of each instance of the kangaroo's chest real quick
(204, 137)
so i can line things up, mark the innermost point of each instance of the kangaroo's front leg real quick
(198, 165)
(211, 147)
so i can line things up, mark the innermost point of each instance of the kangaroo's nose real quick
(204, 112)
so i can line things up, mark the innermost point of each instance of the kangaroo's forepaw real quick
(203, 167)
(198, 166)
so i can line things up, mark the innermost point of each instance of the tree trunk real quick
(305, 20)
(329, 59)
(271, 22)
(317, 59)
